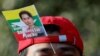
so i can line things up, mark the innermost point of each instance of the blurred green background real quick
(84, 13)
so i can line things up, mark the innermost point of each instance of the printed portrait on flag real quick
(25, 22)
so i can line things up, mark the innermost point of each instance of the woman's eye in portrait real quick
(28, 17)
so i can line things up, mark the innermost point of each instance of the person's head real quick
(57, 43)
(26, 17)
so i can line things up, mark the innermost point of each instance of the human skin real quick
(45, 49)
(27, 20)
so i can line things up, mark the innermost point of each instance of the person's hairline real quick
(25, 51)
(24, 12)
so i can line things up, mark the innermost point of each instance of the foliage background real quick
(84, 13)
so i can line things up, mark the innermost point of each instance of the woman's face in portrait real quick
(27, 19)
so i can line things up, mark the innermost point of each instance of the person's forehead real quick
(25, 15)
(46, 48)
(48, 45)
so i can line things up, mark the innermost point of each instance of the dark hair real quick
(24, 12)
(50, 28)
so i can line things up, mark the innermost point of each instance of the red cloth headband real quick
(46, 39)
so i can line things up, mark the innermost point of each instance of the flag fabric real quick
(23, 28)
